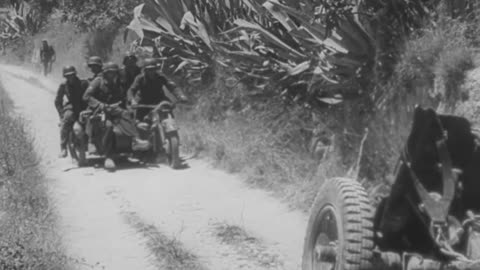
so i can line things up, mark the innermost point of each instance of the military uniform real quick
(47, 56)
(101, 93)
(128, 75)
(69, 110)
(150, 91)
(94, 77)
(95, 61)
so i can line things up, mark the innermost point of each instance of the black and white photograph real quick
(239, 135)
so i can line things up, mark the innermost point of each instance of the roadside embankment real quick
(28, 219)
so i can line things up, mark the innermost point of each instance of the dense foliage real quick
(316, 51)
(87, 15)
(99, 14)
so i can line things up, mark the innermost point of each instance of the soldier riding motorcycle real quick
(149, 88)
(153, 111)
(106, 94)
(72, 90)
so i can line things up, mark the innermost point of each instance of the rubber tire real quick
(77, 151)
(158, 155)
(354, 215)
(174, 151)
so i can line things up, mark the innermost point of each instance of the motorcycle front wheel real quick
(173, 150)
(77, 150)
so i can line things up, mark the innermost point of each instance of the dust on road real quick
(182, 207)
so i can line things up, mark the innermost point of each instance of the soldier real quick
(149, 88)
(105, 92)
(95, 64)
(73, 90)
(47, 57)
(129, 71)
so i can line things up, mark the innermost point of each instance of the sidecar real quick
(160, 128)
(429, 220)
(85, 140)
(82, 148)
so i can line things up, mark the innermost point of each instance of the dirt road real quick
(155, 218)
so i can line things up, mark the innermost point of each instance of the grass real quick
(168, 252)
(247, 246)
(270, 143)
(28, 222)
(430, 73)
(231, 234)
(438, 57)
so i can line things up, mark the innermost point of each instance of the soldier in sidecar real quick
(430, 219)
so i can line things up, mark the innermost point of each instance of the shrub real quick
(267, 139)
(429, 73)
(263, 138)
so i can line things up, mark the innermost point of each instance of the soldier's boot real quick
(110, 164)
(63, 153)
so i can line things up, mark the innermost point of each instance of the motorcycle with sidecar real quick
(158, 127)
(429, 220)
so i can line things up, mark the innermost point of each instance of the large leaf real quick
(198, 27)
(288, 40)
(141, 24)
(243, 24)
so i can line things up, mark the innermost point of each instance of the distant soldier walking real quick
(47, 57)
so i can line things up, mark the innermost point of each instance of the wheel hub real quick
(325, 251)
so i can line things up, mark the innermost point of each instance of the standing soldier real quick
(73, 90)
(47, 57)
(96, 65)
(129, 71)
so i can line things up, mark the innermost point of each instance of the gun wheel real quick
(340, 230)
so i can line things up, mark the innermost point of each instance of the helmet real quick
(95, 61)
(129, 57)
(110, 66)
(150, 63)
(69, 70)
